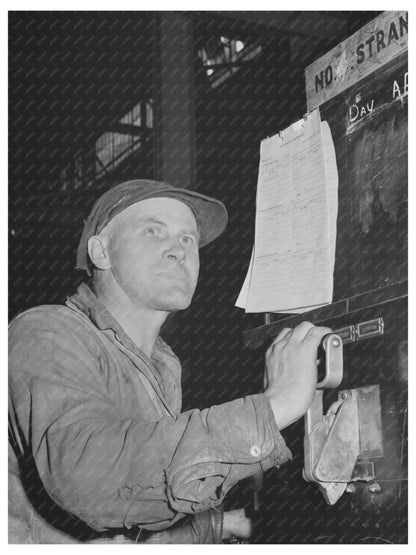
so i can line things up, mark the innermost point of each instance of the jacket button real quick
(255, 451)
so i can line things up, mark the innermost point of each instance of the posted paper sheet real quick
(292, 263)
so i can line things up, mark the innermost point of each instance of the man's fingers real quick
(305, 331)
(282, 335)
(300, 332)
(315, 335)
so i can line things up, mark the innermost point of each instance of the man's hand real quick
(291, 371)
(236, 525)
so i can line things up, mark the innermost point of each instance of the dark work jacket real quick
(99, 448)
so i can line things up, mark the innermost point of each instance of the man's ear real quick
(97, 249)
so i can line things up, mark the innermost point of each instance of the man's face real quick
(154, 257)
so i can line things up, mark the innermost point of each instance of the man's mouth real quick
(174, 275)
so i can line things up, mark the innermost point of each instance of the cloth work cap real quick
(210, 214)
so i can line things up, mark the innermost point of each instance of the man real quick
(99, 448)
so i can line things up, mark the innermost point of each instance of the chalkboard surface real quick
(369, 126)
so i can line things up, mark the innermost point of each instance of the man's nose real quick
(176, 251)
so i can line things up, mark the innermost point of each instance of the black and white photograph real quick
(208, 276)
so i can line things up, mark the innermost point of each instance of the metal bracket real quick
(363, 330)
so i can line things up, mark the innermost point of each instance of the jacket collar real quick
(85, 301)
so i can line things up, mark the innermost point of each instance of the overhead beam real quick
(301, 24)
(174, 121)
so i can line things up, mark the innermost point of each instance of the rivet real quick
(350, 488)
(374, 488)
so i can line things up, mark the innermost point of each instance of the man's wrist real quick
(283, 410)
(236, 525)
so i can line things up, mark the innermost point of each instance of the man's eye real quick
(151, 230)
(188, 240)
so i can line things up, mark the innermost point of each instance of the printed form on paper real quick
(292, 262)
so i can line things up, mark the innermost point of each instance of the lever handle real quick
(332, 344)
(315, 429)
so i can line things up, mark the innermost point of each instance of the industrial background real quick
(96, 98)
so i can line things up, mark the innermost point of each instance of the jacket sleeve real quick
(111, 470)
(203, 528)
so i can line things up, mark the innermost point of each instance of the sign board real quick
(375, 44)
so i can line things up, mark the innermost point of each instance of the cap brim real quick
(210, 214)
